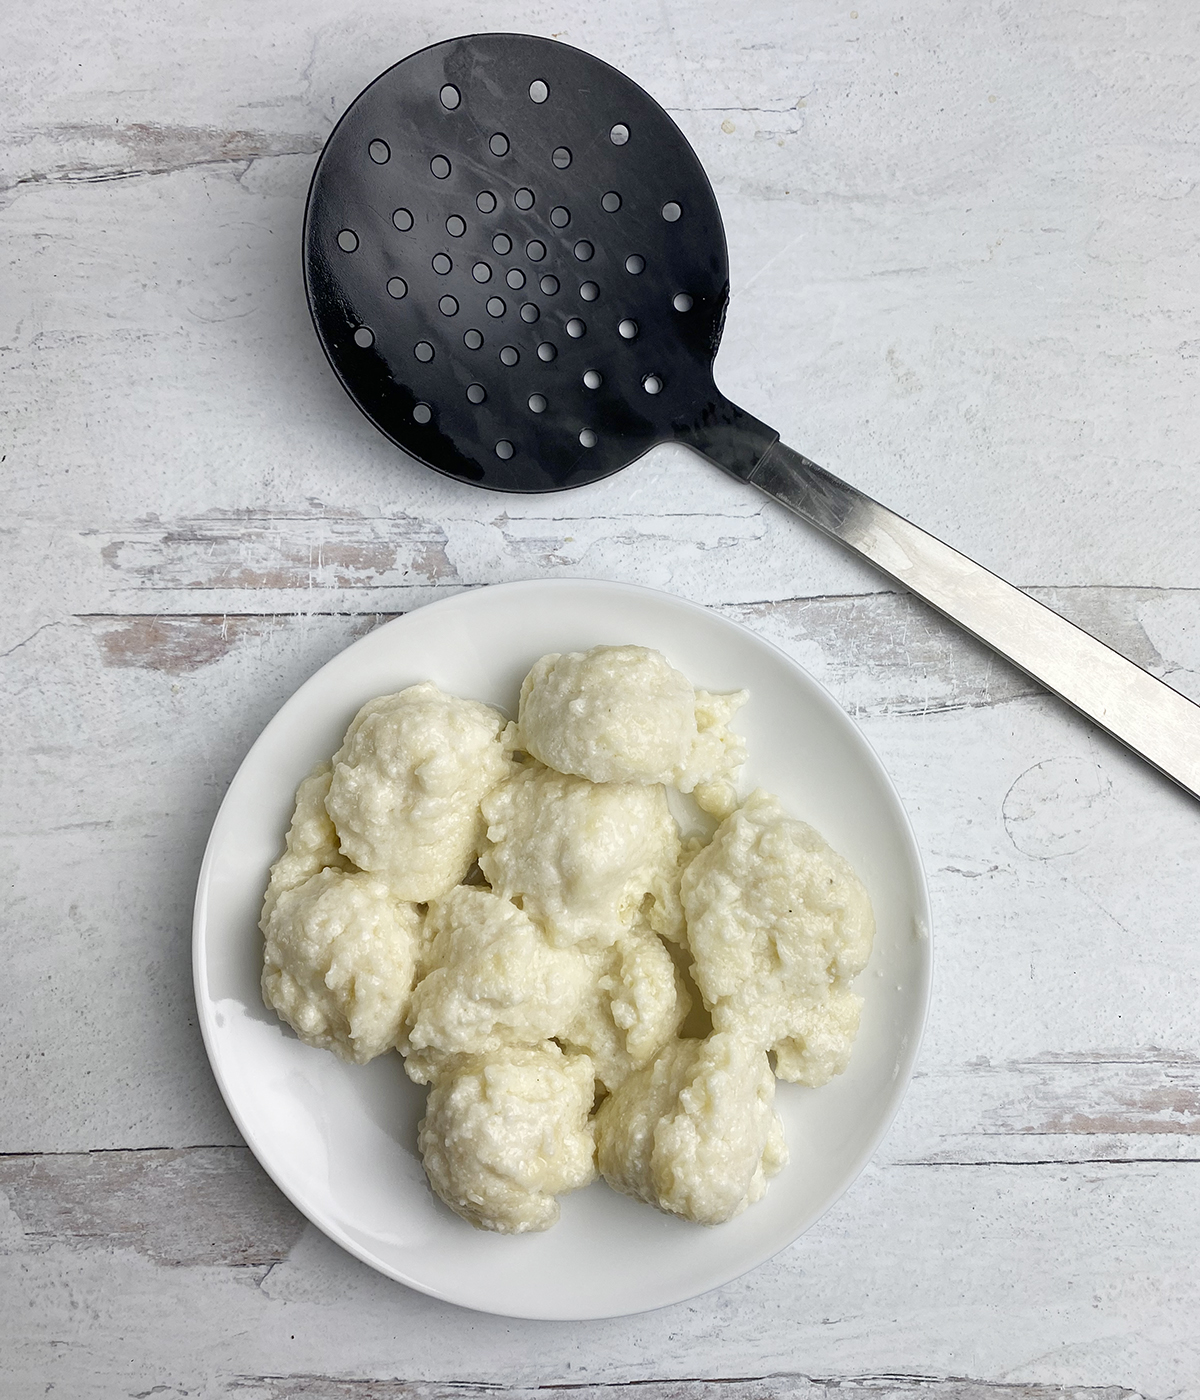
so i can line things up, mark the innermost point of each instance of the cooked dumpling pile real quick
(511, 908)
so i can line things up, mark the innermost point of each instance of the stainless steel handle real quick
(1133, 706)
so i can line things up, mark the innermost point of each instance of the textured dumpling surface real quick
(502, 1137)
(625, 715)
(580, 856)
(778, 926)
(492, 979)
(695, 1132)
(634, 1005)
(407, 783)
(822, 1037)
(717, 754)
(312, 842)
(339, 962)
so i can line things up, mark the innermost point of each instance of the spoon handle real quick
(1154, 720)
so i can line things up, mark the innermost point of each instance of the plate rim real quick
(906, 1060)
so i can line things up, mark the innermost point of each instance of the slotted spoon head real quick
(517, 268)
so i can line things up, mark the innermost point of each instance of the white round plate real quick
(340, 1140)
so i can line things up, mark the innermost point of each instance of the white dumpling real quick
(695, 1132)
(491, 979)
(339, 961)
(635, 1004)
(581, 857)
(312, 842)
(778, 925)
(407, 783)
(625, 715)
(504, 1135)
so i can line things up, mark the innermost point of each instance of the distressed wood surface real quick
(963, 244)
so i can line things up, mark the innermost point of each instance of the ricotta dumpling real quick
(504, 1135)
(339, 962)
(581, 857)
(778, 925)
(695, 1132)
(407, 783)
(491, 980)
(312, 842)
(625, 715)
(636, 1003)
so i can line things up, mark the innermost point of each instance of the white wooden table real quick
(965, 241)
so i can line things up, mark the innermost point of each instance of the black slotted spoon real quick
(517, 268)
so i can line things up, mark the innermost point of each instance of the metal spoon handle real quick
(1135, 707)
